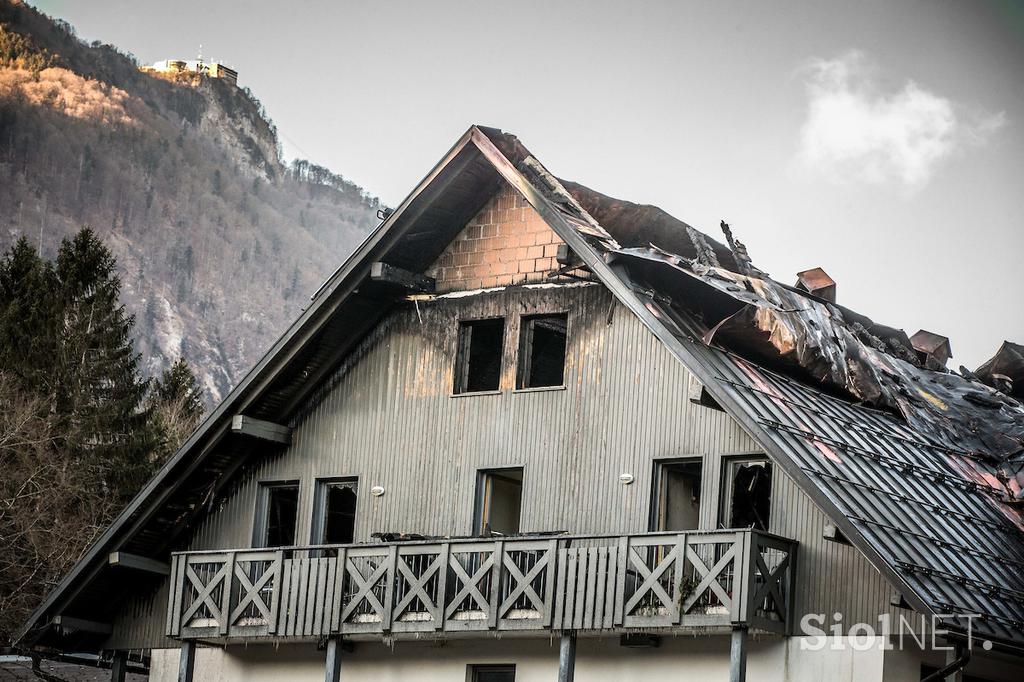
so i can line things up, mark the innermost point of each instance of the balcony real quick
(612, 584)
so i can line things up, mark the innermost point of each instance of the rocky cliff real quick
(219, 243)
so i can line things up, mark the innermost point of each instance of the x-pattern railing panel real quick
(527, 584)
(772, 563)
(205, 584)
(420, 577)
(595, 582)
(649, 597)
(367, 574)
(257, 576)
(473, 569)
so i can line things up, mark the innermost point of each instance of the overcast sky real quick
(883, 141)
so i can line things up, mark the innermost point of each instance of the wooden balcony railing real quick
(610, 583)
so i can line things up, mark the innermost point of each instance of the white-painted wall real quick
(701, 658)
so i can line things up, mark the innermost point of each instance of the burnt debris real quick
(1005, 371)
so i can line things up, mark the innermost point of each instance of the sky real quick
(881, 141)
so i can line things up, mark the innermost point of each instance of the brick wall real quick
(506, 243)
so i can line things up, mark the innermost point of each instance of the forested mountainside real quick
(219, 243)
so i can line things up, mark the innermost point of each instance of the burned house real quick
(528, 430)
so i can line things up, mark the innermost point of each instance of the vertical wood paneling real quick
(388, 418)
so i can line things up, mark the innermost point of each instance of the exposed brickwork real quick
(506, 243)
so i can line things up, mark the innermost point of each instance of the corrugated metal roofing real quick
(949, 538)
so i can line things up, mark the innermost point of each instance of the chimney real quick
(817, 282)
(933, 349)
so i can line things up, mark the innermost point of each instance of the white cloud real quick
(855, 131)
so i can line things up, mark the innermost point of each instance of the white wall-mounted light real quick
(626, 479)
(377, 490)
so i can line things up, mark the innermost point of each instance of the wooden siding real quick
(388, 417)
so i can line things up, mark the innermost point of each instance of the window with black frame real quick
(334, 512)
(478, 356)
(491, 673)
(277, 508)
(499, 500)
(676, 495)
(542, 342)
(746, 493)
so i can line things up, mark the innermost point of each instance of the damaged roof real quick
(921, 469)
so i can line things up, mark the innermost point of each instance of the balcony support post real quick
(738, 654)
(567, 657)
(118, 666)
(187, 662)
(333, 663)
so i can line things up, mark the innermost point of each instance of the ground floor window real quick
(491, 673)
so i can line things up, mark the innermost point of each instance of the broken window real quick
(491, 673)
(499, 498)
(277, 508)
(542, 351)
(746, 493)
(478, 359)
(334, 512)
(677, 495)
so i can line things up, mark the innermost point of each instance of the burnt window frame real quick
(479, 490)
(318, 525)
(657, 489)
(463, 345)
(473, 670)
(261, 519)
(524, 347)
(726, 482)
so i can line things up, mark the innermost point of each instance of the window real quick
(676, 495)
(491, 673)
(334, 512)
(499, 497)
(277, 508)
(478, 358)
(542, 351)
(746, 493)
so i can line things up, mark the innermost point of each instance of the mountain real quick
(219, 243)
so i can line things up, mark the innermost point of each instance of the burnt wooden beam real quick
(414, 281)
(263, 430)
(138, 563)
(81, 625)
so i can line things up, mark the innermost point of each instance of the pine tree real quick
(99, 393)
(28, 315)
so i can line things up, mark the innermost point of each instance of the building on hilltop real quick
(511, 439)
(197, 66)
